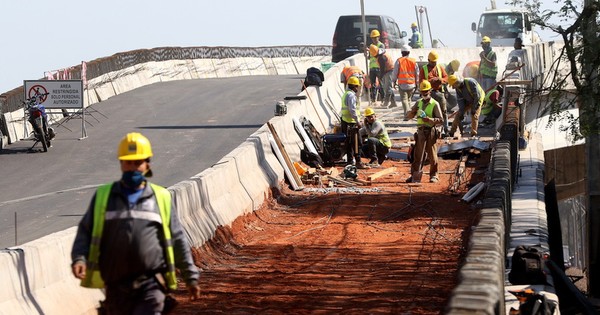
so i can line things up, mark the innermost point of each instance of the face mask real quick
(133, 179)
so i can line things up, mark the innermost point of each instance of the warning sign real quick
(55, 93)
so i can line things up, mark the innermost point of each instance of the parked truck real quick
(502, 26)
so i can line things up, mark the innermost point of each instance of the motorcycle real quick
(39, 121)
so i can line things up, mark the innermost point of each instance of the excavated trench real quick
(389, 247)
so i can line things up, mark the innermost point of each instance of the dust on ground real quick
(385, 248)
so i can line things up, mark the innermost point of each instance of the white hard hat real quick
(405, 48)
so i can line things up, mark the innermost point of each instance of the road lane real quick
(192, 124)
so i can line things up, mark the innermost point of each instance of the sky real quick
(43, 35)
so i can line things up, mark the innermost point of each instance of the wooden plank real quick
(381, 173)
(287, 162)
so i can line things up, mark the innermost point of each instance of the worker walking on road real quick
(378, 142)
(351, 123)
(386, 66)
(406, 72)
(416, 40)
(436, 75)
(375, 89)
(488, 69)
(429, 115)
(130, 240)
(353, 71)
(470, 97)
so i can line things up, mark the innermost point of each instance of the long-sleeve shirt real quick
(131, 243)
(437, 79)
(405, 86)
(469, 93)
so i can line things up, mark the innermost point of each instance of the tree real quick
(581, 52)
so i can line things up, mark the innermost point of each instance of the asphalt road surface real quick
(191, 124)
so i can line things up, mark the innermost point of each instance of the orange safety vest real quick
(406, 70)
(389, 64)
(352, 70)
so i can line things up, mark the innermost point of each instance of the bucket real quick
(280, 109)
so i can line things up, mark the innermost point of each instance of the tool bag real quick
(314, 76)
(527, 266)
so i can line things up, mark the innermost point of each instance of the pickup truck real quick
(502, 26)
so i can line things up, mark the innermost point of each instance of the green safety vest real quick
(384, 138)
(428, 111)
(373, 60)
(93, 279)
(419, 43)
(426, 71)
(487, 70)
(345, 112)
(488, 106)
(474, 95)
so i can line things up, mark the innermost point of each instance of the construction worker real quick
(436, 75)
(378, 142)
(470, 97)
(471, 69)
(416, 40)
(351, 123)
(429, 115)
(406, 72)
(488, 69)
(386, 66)
(375, 90)
(352, 71)
(492, 107)
(452, 67)
(130, 240)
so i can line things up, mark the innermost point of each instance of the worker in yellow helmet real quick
(416, 40)
(130, 240)
(470, 96)
(376, 92)
(350, 122)
(378, 142)
(429, 115)
(488, 67)
(437, 76)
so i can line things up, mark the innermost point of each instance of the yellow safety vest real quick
(345, 112)
(93, 278)
(428, 111)
(373, 60)
(485, 69)
(384, 138)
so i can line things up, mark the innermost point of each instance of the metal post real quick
(428, 26)
(16, 243)
(364, 27)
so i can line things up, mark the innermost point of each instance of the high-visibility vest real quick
(389, 64)
(419, 43)
(352, 71)
(345, 112)
(406, 70)
(488, 105)
(384, 138)
(373, 60)
(426, 71)
(486, 69)
(93, 278)
(474, 94)
(428, 111)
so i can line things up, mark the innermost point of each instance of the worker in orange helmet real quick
(386, 65)
(375, 89)
(353, 71)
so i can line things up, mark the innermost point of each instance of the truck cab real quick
(502, 26)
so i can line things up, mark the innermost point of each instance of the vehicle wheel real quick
(44, 142)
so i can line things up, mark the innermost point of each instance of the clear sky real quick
(45, 35)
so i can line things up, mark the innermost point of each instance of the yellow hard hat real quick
(354, 81)
(425, 86)
(373, 50)
(414, 24)
(433, 56)
(486, 39)
(134, 146)
(369, 111)
(452, 79)
(455, 64)
(374, 33)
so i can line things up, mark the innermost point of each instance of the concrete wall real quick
(39, 273)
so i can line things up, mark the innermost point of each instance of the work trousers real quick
(487, 82)
(475, 112)
(353, 140)
(375, 150)
(123, 299)
(376, 90)
(426, 141)
(406, 97)
(387, 82)
(439, 96)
